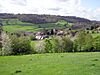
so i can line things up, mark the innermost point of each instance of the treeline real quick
(19, 45)
(41, 19)
(82, 43)
(35, 18)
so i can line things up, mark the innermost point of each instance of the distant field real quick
(32, 28)
(13, 25)
(14, 28)
(51, 64)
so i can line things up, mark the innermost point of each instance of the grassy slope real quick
(51, 64)
(32, 27)
(15, 28)
(16, 25)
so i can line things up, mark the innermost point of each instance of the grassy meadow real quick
(14, 25)
(51, 64)
(14, 28)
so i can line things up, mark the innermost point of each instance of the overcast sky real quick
(82, 8)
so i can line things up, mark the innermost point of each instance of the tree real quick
(21, 45)
(6, 45)
(88, 43)
(55, 44)
(67, 44)
(63, 23)
(83, 42)
(62, 44)
(80, 41)
(96, 43)
(40, 47)
(48, 46)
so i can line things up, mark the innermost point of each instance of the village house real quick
(41, 36)
(60, 32)
(98, 29)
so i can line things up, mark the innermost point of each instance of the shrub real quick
(62, 44)
(6, 45)
(67, 44)
(48, 46)
(96, 43)
(32, 37)
(21, 45)
(40, 47)
(83, 42)
(55, 44)
(88, 43)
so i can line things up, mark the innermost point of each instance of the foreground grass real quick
(51, 64)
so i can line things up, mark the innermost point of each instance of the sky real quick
(89, 9)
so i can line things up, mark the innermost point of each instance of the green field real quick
(32, 28)
(15, 28)
(51, 64)
(13, 25)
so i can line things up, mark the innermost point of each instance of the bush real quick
(67, 44)
(32, 37)
(62, 44)
(48, 46)
(21, 45)
(83, 42)
(55, 44)
(6, 45)
(96, 43)
(39, 47)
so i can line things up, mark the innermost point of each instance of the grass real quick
(32, 28)
(14, 28)
(13, 25)
(51, 64)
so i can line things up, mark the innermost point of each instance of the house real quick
(98, 29)
(60, 32)
(41, 36)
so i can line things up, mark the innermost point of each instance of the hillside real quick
(43, 19)
(35, 18)
(13, 25)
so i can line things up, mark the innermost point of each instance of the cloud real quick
(96, 14)
(0, 8)
(19, 2)
(54, 7)
(40, 5)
